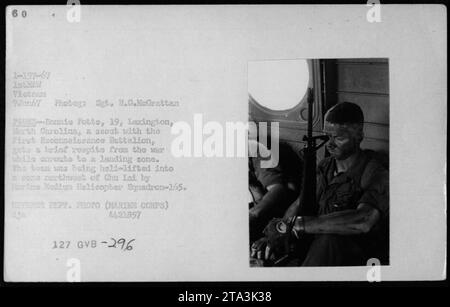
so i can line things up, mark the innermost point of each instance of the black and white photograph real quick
(326, 201)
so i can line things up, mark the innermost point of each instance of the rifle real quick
(307, 205)
(308, 191)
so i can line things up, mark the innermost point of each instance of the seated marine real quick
(351, 222)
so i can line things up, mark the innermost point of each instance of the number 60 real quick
(15, 13)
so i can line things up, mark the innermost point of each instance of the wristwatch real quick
(298, 226)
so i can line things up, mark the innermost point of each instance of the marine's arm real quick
(347, 222)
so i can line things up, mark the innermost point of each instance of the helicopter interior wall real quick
(362, 81)
(366, 83)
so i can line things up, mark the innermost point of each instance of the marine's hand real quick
(258, 248)
(278, 234)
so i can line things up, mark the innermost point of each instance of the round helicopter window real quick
(278, 85)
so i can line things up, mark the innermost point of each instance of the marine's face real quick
(342, 141)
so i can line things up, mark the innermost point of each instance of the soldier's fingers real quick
(259, 255)
(259, 245)
(268, 252)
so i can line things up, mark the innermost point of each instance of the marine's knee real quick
(333, 250)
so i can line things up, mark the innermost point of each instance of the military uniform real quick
(367, 181)
(260, 178)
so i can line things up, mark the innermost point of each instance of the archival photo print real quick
(206, 143)
(319, 162)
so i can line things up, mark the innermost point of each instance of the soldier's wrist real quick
(299, 226)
